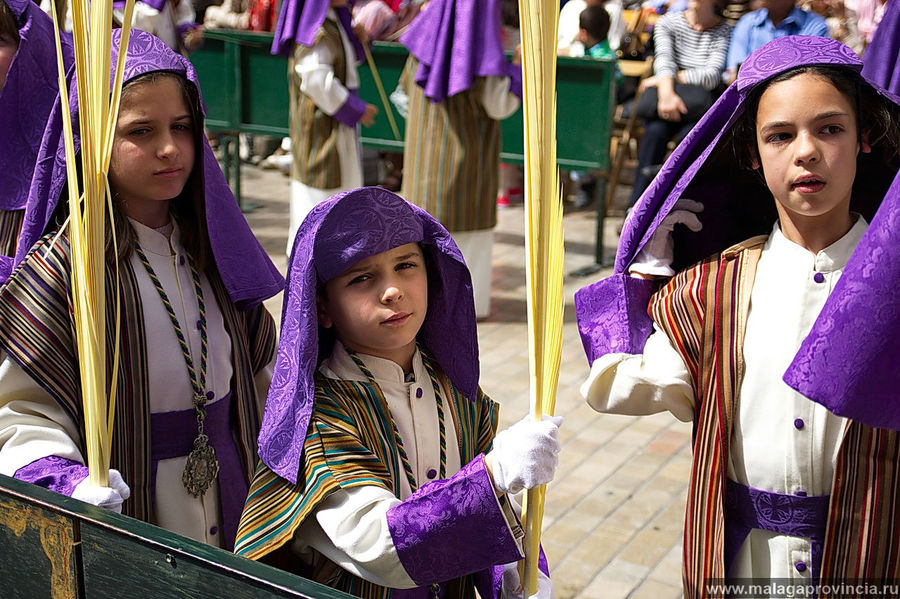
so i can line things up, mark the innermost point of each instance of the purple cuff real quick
(58, 474)
(612, 315)
(453, 527)
(352, 110)
(515, 80)
(185, 27)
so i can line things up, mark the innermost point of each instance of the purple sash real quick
(172, 435)
(796, 515)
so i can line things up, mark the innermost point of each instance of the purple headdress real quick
(456, 41)
(27, 97)
(612, 313)
(299, 20)
(245, 269)
(349, 227)
(881, 62)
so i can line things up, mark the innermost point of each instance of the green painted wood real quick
(113, 556)
(37, 553)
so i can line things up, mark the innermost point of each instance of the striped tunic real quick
(700, 54)
(10, 226)
(36, 331)
(316, 160)
(452, 157)
(704, 312)
(349, 444)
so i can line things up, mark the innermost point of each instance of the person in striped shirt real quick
(380, 469)
(776, 346)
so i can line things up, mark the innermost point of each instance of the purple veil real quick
(26, 99)
(456, 41)
(881, 62)
(612, 313)
(299, 20)
(349, 227)
(245, 269)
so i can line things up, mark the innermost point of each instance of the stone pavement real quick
(614, 513)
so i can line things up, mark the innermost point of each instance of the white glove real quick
(526, 454)
(512, 587)
(110, 497)
(655, 258)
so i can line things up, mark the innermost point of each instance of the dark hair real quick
(189, 207)
(877, 120)
(509, 13)
(595, 20)
(8, 23)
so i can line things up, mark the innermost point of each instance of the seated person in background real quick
(776, 18)
(841, 21)
(231, 14)
(569, 25)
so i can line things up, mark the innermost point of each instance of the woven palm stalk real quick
(89, 201)
(544, 238)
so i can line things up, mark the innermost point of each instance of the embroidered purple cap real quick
(338, 233)
(456, 41)
(245, 268)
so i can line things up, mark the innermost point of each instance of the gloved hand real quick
(655, 258)
(110, 497)
(512, 587)
(526, 454)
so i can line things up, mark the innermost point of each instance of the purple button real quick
(199, 325)
(181, 260)
(800, 493)
(210, 395)
(801, 566)
(431, 473)
(799, 424)
(819, 277)
(214, 530)
(418, 392)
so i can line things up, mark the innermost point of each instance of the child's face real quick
(153, 151)
(806, 132)
(378, 305)
(8, 48)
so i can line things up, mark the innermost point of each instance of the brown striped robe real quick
(703, 310)
(316, 161)
(452, 157)
(349, 444)
(10, 226)
(37, 331)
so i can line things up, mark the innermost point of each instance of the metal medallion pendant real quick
(201, 468)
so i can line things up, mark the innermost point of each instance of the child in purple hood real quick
(380, 472)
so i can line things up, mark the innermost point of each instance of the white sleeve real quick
(32, 425)
(317, 79)
(496, 98)
(144, 17)
(261, 381)
(350, 528)
(648, 383)
(184, 12)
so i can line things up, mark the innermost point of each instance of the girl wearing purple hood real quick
(781, 487)
(194, 342)
(380, 473)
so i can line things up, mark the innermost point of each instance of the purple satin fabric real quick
(435, 530)
(338, 233)
(172, 435)
(747, 508)
(245, 268)
(881, 62)
(58, 474)
(299, 20)
(26, 99)
(456, 41)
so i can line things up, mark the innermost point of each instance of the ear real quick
(864, 143)
(322, 312)
(754, 158)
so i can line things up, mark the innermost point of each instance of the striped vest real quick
(37, 330)
(316, 162)
(703, 310)
(10, 227)
(349, 444)
(452, 157)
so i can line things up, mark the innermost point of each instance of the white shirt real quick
(781, 441)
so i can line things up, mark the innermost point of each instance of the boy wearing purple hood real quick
(380, 473)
